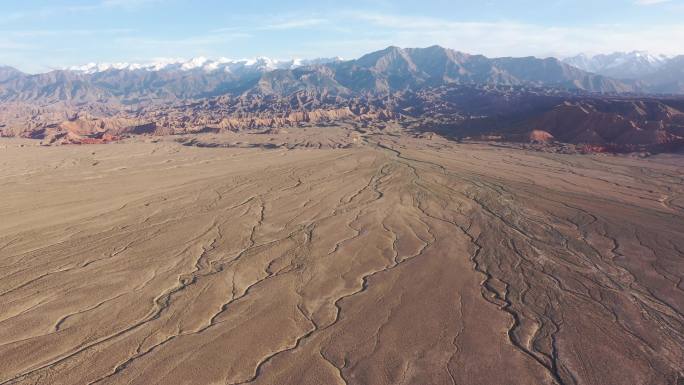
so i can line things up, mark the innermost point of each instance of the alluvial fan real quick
(395, 261)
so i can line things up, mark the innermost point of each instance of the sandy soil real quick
(394, 261)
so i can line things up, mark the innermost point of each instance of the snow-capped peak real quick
(193, 63)
(202, 63)
(623, 65)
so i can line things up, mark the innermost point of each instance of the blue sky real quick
(37, 36)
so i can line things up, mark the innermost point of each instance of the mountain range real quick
(424, 89)
(382, 72)
(646, 72)
(262, 64)
(620, 65)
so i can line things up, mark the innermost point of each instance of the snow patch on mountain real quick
(621, 65)
(203, 63)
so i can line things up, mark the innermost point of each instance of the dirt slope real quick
(396, 261)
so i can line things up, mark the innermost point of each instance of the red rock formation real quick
(540, 136)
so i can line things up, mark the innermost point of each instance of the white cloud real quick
(506, 38)
(344, 33)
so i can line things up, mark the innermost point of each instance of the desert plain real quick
(330, 256)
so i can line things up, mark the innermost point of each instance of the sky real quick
(37, 36)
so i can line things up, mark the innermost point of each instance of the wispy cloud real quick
(356, 32)
(12, 16)
(295, 24)
(514, 38)
(126, 4)
(651, 2)
(313, 32)
(203, 40)
(253, 23)
(69, 32)
(9, 44)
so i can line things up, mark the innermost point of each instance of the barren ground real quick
(394, 261)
